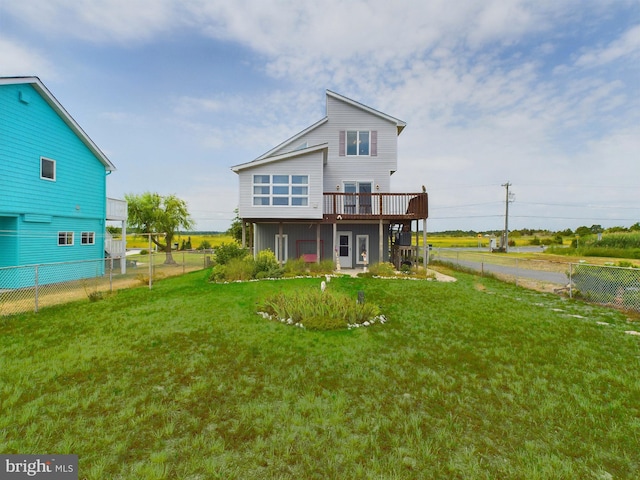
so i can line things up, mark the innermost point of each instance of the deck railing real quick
(366, 206)
(116, 209)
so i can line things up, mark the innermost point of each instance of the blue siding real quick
(75, 201)
(8, 241)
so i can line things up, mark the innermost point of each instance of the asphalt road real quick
(518, 272)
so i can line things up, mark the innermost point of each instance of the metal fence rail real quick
(606, 285)
(618, 287)
(31, 287)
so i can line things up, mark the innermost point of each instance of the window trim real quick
(53, 162)
(89, 236)
(358, 154)
(68, 238)
(286, 189)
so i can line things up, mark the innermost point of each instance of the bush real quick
(266, 265)
(294, 267)
(324, 267)
(218, 273)
(384, 269)
(227, 251)
(239, 269)
(204, 245)
(317, 310)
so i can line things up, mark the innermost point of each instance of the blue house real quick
(53, 199)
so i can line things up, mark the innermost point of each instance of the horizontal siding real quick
(343, 116)
(8, 241)
(309, 164)
(38, 242)
(33, 130)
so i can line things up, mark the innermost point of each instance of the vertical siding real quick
(265, 234)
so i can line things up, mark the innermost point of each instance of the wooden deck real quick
(375, 206)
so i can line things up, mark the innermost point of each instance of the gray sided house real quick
(325, 193)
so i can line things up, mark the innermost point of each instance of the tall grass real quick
(473, 379)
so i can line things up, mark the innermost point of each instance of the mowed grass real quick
(473, 379)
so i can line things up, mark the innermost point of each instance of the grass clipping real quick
(320, 310)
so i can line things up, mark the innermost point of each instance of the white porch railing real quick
(116, 209)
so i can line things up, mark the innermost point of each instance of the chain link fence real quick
(607, 285)
(31, 287)
(533, 273)
(614, 286)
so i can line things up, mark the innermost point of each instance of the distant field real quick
(139, 241)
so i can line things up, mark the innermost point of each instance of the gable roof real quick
(399, 123)
(62, 113)
(283, 156)
(268, 156)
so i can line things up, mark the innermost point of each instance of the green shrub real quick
(317, 310)
(266, 265)
(239, 269)
(218, 273)
(228, 251)
(294, 267)
(324, 267)
(384, 269)
(204, 245)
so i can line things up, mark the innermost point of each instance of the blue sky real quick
(543, 94)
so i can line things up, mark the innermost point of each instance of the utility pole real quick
(506, 216)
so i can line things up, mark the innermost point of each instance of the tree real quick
(159, 216)
(235, 230)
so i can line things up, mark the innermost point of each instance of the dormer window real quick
(358, 142)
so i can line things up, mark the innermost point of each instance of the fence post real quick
(516, 272)
(111, 274)
(570, 280)
(36, 286)
(183, 265)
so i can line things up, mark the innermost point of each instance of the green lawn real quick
(473, 379)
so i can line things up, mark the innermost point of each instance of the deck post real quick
(335, 244)
(244, 234)
(425, 248)
(318, 251)
(280, 244)
(381, 242)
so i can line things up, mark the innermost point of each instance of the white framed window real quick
(88, 238)
(47, 169)
(281, 190)
(65, 238)
(362, 244)
(285, 247)
(358, 142)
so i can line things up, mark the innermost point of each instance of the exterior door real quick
(357, 199)
(344, 249)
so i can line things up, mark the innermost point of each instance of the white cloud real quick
(17, 59)
(627, 45)
(113, 21)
